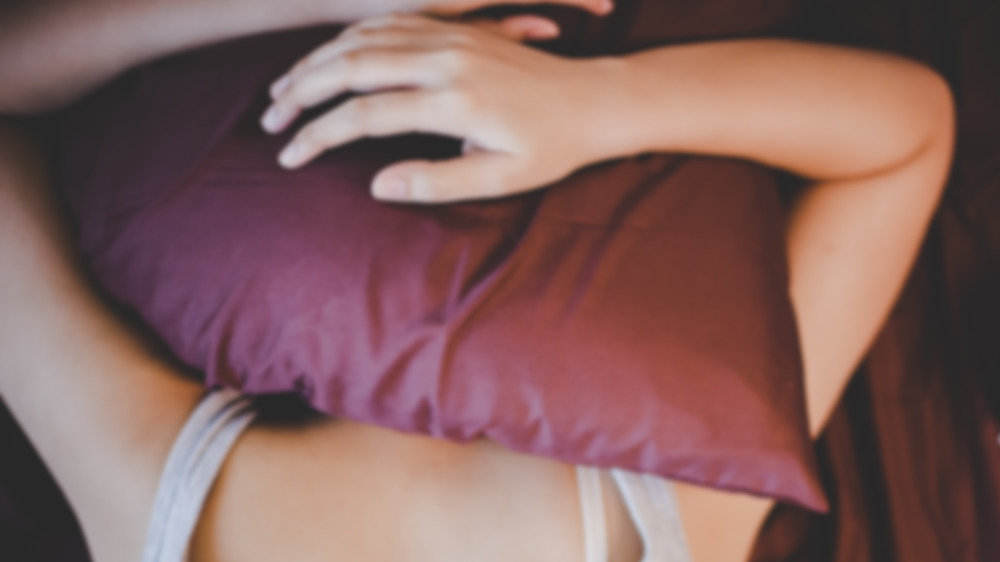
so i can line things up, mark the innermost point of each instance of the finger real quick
(478, 175)
(356, 71)
(375, 115)
(321, 55)
(597, 7)
(395, 19)
(387, 30)
(520, 28)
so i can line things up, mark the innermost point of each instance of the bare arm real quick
(53, 51)
(61, 352)
(875, 133)
(103, 412)
(872, 131)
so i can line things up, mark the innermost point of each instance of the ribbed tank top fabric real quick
(222, 415)
(192, 467)
(651, 504)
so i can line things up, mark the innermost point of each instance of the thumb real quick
(477, 175)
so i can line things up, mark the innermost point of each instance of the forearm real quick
(823, 112)
(52, 51)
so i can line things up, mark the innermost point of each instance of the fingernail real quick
(607, 6)
(292, 155)
(391, 188)
(274, 119)
(280, 85)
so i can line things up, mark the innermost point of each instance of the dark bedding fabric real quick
(633, 315)
(36, 524)
(910, 460)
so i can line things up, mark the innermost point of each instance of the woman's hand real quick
(528, 118)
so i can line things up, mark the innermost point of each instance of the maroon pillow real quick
(633, 315)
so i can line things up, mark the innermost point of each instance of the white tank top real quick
(222, 415)
(652, 506)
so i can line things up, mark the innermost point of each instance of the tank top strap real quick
(192, 466)
(651, 502)
(595, 538)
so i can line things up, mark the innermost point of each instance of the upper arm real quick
(852, 242)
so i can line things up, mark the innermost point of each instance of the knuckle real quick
(350, 59)
(454, 59)
(322, 53)
(308, 91)
(451, 102)
(296, 91)
(458, 39)
(459, 103)
(309, 136)
(467, 99)
(466, 56)
(350, 33)
(361, 35)
(299, 68)
(396, 18)
(346, 42)
(423, 189)
(358, 112)
(343, 69)
(377, 20)
(361, 106)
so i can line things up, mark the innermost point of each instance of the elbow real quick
(917, 124)
(924, 161)
(933, 116)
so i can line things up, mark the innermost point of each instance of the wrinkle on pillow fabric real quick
(634, 315)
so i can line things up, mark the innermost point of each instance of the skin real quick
(120, 408)
(366, 492)
(873, 132)
(122, 405)
(85, 43)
